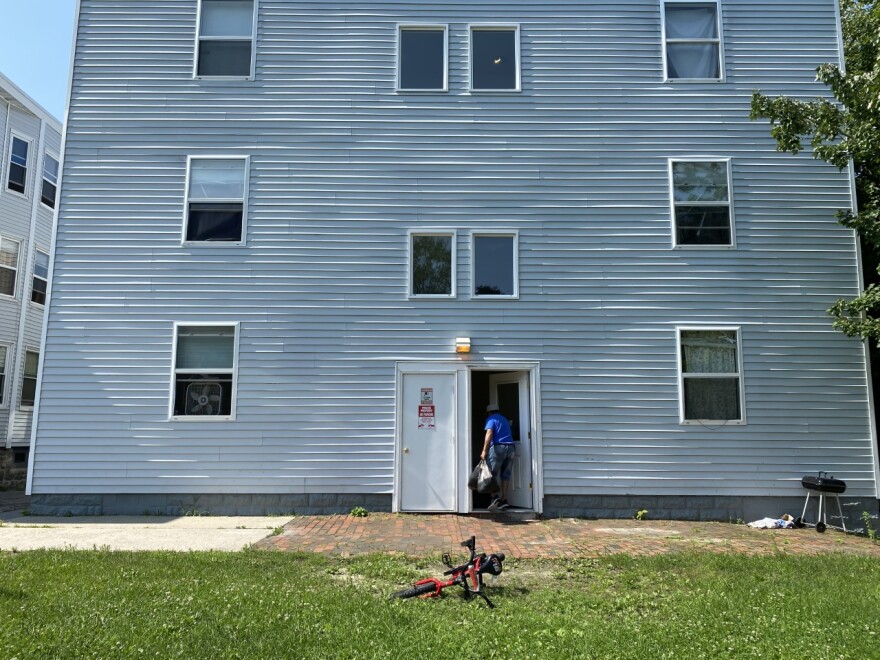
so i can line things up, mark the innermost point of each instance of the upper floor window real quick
(693, 41)
(204, 371)
(422, 58)
(495, 58)
(226, 39)
(701, 203)
(432, 264)
(41, 278)
(29, 379)
(18, 165)
(50, 181)
(8, 265)
(495, 268)
(711, 387)
(216, 199)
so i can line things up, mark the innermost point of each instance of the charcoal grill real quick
(826, 487)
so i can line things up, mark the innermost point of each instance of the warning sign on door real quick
(427, 417)
(427, 395)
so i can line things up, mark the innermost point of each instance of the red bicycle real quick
(469, 575)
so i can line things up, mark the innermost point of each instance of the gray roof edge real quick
(28, 103)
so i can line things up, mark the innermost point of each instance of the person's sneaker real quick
(496, 504)
(503, 506)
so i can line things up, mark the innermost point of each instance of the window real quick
(226, 38)
(216, 199)
(8, 266)
(422, 59)
(204, 371)
(50, 181)
(41, 278)
(432, 265)
(693, 42)
(4, 351)
(18, 164)
(495, 265)
(701, 203)
(710, 375)
(29, 381)
(494, 58)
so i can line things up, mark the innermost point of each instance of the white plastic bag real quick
(481, 479)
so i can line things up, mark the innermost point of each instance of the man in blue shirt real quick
(498, 452)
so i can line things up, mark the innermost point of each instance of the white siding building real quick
(283, 222)
(30, 143)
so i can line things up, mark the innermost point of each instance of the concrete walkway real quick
(416, 535)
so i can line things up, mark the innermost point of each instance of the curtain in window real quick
(708, 352)
(694, 59)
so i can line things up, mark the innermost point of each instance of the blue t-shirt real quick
(501, 434)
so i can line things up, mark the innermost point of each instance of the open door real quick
(510, 391)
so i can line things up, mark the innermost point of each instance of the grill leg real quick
(840, 511)
(806, 504)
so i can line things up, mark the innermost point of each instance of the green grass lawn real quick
(270, 605)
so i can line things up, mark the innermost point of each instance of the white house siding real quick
(16, 219)
(342, 166)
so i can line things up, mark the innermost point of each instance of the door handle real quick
(406, 450)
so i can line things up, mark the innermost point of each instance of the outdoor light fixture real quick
(462, 344)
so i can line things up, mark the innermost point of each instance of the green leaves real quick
(843, 131)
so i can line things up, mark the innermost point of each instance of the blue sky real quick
(35, 40)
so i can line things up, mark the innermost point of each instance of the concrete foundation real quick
(704, 507)
(204, 504)
(13, 469)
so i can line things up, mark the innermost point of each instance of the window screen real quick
(493, 59)
(203, 373)
(422, 59)
(710, 375)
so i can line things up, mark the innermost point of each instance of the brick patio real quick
(418, 535)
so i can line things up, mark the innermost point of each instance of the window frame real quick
(233, 372)
(34, 276)
(739, 375)
(494, 233)
(198, 40)
(244, 200)
(21, 404)
(14, 135)
(499, 27)
(14, 293)
(411, 234)
(728, 162)
(719, 41)
(4, 400)
(428, 27)
(56, 158)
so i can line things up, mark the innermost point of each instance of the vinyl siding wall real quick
(342, 166)
(16, 214)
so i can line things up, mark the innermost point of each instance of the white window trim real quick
(719, 41)
(3, 237)
(35, 276)
(423, 26)
(703, 159)
(4, 399)
(7, 163)
(501, 27)
(174, 371)
(244, 201)
(57, 159)
(29, 349)
(253, 41)
(739, 365)
(495, 233)
(409, 263)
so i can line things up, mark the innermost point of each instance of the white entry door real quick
(510, 392)
(428, 438)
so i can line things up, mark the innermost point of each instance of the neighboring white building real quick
(30, 144)
(282, 223)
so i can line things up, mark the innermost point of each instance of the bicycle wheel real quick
(412, 592)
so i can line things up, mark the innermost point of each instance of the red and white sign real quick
(427, 417)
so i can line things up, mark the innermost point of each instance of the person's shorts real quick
(500, 460)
